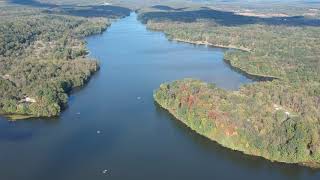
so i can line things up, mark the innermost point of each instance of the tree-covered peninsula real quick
(43, 56)
(278, 119)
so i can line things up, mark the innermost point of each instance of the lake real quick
(113, 129)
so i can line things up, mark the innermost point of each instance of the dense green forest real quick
(248, 120)
(279, 119)
(43, 57)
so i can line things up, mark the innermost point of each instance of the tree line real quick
(277, 119)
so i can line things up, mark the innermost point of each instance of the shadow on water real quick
(9, 132)
(12, 131)
(250, 76)
(83, 11)
(292, 171)
(226, 18)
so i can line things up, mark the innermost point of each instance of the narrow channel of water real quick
(121, 130)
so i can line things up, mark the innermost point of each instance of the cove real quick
(113, 123)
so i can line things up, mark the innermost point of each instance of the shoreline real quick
(252, 76)
(257, 77)
(17, 116)
(312, 165)
(206, 43)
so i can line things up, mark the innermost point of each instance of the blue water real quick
(121, 130)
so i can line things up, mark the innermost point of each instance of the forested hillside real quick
(43, 57)
(283, 48)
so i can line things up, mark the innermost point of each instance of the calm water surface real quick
(137, 139)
